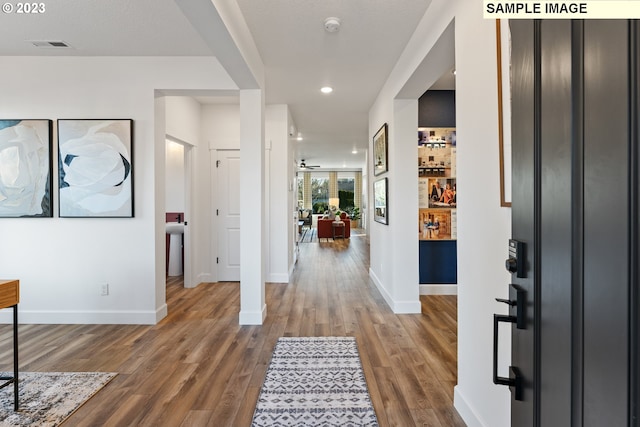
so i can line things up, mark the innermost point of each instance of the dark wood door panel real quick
(606, 284)
(555, 224)
(576, 182)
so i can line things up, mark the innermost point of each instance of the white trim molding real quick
(438, 289)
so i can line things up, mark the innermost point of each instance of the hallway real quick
(197, 367)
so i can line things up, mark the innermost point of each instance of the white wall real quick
(481, 247)
(62, 262)
(183, 119)
(220, 129)
(190, 172)
(279, 241)
(174, 177)
(220, 125)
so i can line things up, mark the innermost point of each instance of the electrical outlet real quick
(104, 291)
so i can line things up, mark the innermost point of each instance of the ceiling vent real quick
(50, 44)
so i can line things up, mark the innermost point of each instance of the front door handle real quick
(516, 381)
(519, 303)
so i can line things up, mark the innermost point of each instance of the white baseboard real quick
(464, 409)
(278, 278)
(98, 317)
(438, 289)
(381, 288)
(398, 307)
(204, 278)
(253, 317)
(407, 307)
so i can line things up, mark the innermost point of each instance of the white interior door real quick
(228, 213)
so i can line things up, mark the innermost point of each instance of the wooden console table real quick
(9, 297)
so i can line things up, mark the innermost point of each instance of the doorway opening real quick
(177, 208)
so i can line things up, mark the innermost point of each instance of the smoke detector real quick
(332, 24)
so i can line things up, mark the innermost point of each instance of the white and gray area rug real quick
(48, 398)
(315, 381)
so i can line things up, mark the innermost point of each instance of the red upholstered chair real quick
(325, 228)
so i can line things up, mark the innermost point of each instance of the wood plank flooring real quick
(198, 367)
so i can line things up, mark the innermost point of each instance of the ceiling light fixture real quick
(299, 138)
(326, 89)
(332, 24)
(354, 151)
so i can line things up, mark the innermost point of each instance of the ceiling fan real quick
(303, 165)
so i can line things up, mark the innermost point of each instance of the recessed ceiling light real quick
(326, 89)
(354, 151)
(299, 138)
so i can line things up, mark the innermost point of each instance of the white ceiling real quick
(103, 28)
(298, 54)
(300, 57)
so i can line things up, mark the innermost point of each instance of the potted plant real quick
(354, 215)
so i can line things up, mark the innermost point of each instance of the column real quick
(253, 309)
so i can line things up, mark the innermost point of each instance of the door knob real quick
(511, 264)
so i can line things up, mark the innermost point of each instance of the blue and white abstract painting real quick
(25, 168)
(95, 168)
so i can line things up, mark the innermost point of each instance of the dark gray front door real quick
(575, 210)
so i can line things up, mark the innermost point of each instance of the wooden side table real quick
(339, 225)
(9, 297)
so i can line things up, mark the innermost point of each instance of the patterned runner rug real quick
(48, 398)
(312, 382)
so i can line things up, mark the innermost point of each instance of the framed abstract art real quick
(26, 184)
(95, 168)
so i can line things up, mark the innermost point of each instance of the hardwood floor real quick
(198, 367)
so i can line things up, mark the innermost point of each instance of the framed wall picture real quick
(26, 167)
(380, 151)
(380, 200)
(95, 168)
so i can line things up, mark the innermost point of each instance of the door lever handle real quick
(520, 303)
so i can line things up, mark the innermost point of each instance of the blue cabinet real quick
(438, 262)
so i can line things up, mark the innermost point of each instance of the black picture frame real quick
(95, 168)
(26, 163)
(381, 201)
(381, 150)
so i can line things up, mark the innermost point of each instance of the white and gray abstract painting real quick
(95, 168)
(25, 168)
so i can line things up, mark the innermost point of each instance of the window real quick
(346, 191)
(319, 194)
